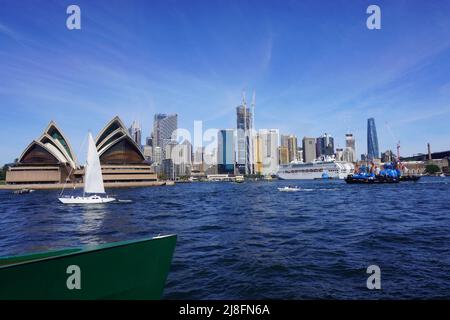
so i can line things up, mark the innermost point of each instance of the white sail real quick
(93, 180)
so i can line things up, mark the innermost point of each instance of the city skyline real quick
(139, 59)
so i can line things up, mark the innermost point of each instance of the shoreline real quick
(59, 186)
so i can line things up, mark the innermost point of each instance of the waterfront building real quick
(136, 132)
(167, 169)
(348, 155)
(309, 149)
(121, 158)
(226, 157)
(157, 155)
(290, 141)
(292, 148)
(266, 152)
(284, 140)
(283, 155)
(372, 140)
(148, 153)
(244, 125)
(300, 154)
(324, 145)
(339, 154)
(181, 156)
(387, 156)
(51, 160)
(350, 148)
(148, 149)
(47, 160)
(164, 127)
(258, 160)
(198, 164)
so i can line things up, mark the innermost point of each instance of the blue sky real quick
(314, 65)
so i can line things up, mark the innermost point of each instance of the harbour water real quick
(249, 241)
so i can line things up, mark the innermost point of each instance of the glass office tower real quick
(372, 140)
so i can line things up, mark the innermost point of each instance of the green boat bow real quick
(121, 270)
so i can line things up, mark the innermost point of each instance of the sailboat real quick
(93, 180)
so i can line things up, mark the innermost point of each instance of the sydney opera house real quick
(51, 161)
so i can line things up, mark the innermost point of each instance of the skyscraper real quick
(199, 160)
(325, 145)
(244, 125)
(349, 154)
(372, 140)
(225, 151)
(163, 127)
(339, 154)
(284, 140)
(283, 155)
(290, 142)
(266, 151)
(136, 132)
(309, 149)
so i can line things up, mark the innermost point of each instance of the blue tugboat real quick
(390, 173)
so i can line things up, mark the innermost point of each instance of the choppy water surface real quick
(249, 241)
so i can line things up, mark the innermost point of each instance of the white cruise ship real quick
(318, 169)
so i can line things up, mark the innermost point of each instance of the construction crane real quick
(395, 139)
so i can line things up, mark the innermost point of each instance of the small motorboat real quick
(442, 175)
(23, 191)
(289, 189)
(124, 201)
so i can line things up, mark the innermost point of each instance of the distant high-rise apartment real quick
(339, 154)
(283, 155)
(266, 151)
(225, 151)
(182, 158)
(257, 160)
(290, 141)
(178, 159)
(157, 155)
(292, 147)
(325, 145)
(372, 140)
(163, 127)
(199, 159)
(349, 154)
(136, 132)
(244, 125)
(148, 152)
(387, 156)
(309, 149)
(300, 154)
(284, 140)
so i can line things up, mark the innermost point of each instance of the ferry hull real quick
(122, 270)
(312, 176)
(315, 170)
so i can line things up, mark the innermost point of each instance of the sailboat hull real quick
(86, 200)
(121, 270)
